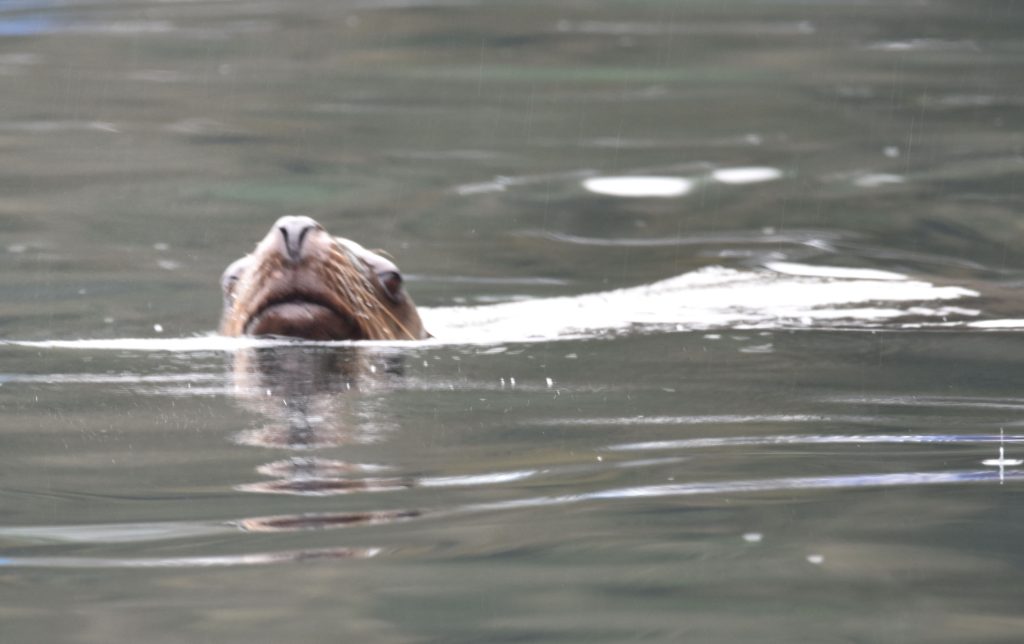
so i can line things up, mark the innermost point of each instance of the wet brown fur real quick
(329, 275)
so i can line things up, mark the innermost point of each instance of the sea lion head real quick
(302, 282)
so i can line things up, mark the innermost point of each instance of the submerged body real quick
(302, 282)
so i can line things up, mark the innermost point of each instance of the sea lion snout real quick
(288, 235)
(302, 282)
(293, 238)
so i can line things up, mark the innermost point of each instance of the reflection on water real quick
(725, 297)
(311, 398)
(325, 425)
(321, 521)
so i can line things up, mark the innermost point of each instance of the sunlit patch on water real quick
(663, 187)
(738, 176)
(877, 180)
(669, 186)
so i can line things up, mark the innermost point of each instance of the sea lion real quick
(302, 282)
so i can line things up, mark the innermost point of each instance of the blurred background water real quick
(774, 468)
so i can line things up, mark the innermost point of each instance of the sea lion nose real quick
(293, 230)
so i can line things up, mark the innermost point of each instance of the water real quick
(725, 298)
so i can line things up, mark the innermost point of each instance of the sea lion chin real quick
(302, 282)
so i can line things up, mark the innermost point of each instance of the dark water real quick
(759, 451)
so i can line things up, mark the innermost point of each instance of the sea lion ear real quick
(231, 275)
(391, 282)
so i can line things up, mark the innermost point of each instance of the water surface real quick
(725, 298)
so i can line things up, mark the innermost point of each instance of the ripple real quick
(501, 183)
(495, 478)
(850, 481)
(931, 401)
(324, 521)
(45, 127)
(311, 482)
(109, 379)
(812, 238)
(216, 343)
(696, 420)
(854, 439)
(214, 561)
(322, 466)
(833, 272)
(499, 281)
(758, 29)
(926, 44)
(877, 180)
(113, 532)
(326, 486)
(124, 27)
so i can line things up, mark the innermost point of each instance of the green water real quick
(824, 483)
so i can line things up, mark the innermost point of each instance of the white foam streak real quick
(711, 298)
(784, 296)
(997, 324)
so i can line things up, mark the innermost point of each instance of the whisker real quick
(336, 276)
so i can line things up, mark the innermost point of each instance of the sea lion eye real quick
(391, 281)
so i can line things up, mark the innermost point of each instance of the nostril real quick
(294, 230)
(294, 237)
